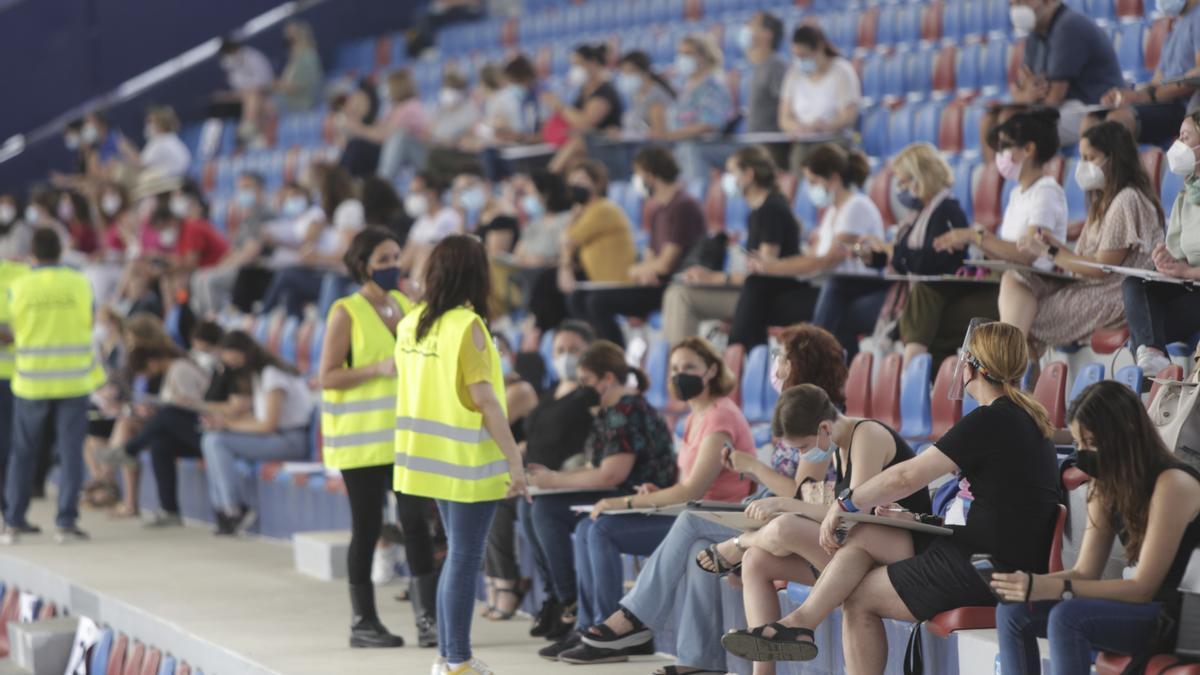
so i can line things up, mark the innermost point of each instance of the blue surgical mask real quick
(387, 278)
(807, 66)
(909, 200)
(246, 198)
(628, 84)
(1171, 7)
(294, 206)
(473, 198)
(818, 195)
(505, 366)
(532, 207)
(745, 37)
(817, 453)
(685, 65)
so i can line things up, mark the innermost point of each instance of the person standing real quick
(358, 392)
(453, 442)
(55, 370)
(10, 271)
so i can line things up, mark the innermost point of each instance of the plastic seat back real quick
(151, 662)
(944, 412)
(885, 394)
(167, 666)
(97, 661)
(915, 420)
(116, 657)
(1050, 392)
(1130, 376)
(133, 662)
(755, 385)
(1089, 375)
(656, 370)
(858, 385)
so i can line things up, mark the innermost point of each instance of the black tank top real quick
(917, 502)
(1168, 592)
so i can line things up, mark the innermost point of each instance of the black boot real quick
(365, 629)
(422, 592)
(546, 619)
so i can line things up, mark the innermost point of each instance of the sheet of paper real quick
(672, 510)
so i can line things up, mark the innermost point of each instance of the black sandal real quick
(679, 670)
(721, 565)
(603, 637)
(496, 614)
(784, 645)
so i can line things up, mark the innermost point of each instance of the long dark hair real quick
(456, 274)
(641, 61)
(360, 249)
(814, 38)
(1038, 126)
(603, 357)
(257, 358)
(1131, 451)
(851, 165)
(1123, 169)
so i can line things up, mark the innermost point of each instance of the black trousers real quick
(366, 489)
(170, 433)
(770, 301)
(600, 308)
(500, 561)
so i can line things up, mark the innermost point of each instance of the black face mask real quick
(589, 396)
(580, 194)
(1088, 461)
(687, 385)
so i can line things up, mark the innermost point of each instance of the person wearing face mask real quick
(703, 108)
(164, 151)
(1159, 313)
(534, 263)
(434, 220)
(456, 113)
(402, 133)
(671, 576)
(100, 142)
(1157, 519)
(72, 211)
(357, 369)
(598, 244)
(1002, 448)
(647, 96)
(821, 95)
(15, 234)
(250, 76)
(701, 379)
(1069, 62)
(299, 86)
(760, 39)
(676, 223)
(1124, 225)
(597, 107)
(772, 233)
(846, 307)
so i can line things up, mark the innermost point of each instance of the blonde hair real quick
(164, 117)
(1001, 350)
(400, 85)
(922, 162)
(723, 382)
(705, 47)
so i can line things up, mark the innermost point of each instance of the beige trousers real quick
(684, 307)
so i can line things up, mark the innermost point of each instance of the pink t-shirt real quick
(724, 417)
(409, 116)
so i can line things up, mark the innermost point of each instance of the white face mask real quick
(8, 213)
(449, 98)
(566, 365)
(416, 205)
(1181, 159)
(729, 185)
(685, 65)
(89, 134)
(31, 215)
(819, 195)
(169, 236)
(639, 186)
(179, 206)
(1089, 176)
(1023, 18)
(745, 37)
(576, 76)
(110, 204)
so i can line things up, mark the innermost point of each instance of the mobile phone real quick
(985, 566)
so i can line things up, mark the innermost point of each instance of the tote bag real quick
(1176, 414)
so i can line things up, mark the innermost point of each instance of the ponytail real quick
(643, 380)
(1001, 350)
(1031, 407)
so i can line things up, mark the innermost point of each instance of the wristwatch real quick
(1052, 251)
(979, 232)
(845, 502)
(1067, 593)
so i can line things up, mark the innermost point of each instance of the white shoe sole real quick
(634, 639)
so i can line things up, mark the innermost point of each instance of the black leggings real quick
(366, 488)
(170, 433)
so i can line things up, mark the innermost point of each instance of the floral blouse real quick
(633, 425)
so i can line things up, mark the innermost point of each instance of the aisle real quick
(236, 607)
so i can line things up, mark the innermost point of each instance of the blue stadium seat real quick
(314, 349)
(962, 185)
(995, 16)
(972, 119)
(657, 370)
(952, 22)
(805, 212)
(900, 128)
(875, 132)
(894, 70)
(737, 212)
(167, 665)
(1089, 374)
(993, 66)
(1129, 49)
(927, 121)
(546, 350)
(1006, 193)
(287, 342)
(916, 422)
(1100, 9)
(873, 76)
(98, 662)
(1130, 376)
(755, 385)
(918, 73)
(966, 67)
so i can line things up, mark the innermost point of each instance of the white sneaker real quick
(439, 666)
(472, 667)
(1151, 361)
(383, 565)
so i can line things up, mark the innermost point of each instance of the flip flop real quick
(784, 645)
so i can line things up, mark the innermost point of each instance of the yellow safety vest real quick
(51, 314)
(358, 425)
(9, 272)
(442, 448)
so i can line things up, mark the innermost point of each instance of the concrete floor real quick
(238, 606)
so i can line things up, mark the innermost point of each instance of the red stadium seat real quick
(735, 358)
(1163, 664)
(116, 657)
(134, 662)
(48, 611)
(931, 21)
(1171, 372)
(1152, 160)
(714, 206)
(950, 129)
(150, 663)
(868, 27)
(1129, 8)
(944, 412)
(977, 618)
(509, 32)
(304, 338)
(183, 669)
(9, 611)
(879, 189)
(1051, 392)
(1109, 340)
(986, 196)
(858, 385)
(693, 10)
(943, 69)
(885, 395)
(1152, 46)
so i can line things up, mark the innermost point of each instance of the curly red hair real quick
(815, 357)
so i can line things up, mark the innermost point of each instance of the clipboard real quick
(896, 522)
(1004, 265)
(671, 510)
(542, 492)
(604, 285)
(734, 520)
(1139, 273)
(712, 505)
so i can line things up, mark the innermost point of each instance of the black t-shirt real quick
(774, 223)
(557, 428)
(917, 502)
(607, 92)
(1013, 473)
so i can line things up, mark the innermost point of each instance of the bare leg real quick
(123, 430)
(864, 641)
(760, 571)
(574, 147)
(1018, 306)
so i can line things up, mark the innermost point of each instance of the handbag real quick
(1176, 415)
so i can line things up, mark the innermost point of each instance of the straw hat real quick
(151, 182)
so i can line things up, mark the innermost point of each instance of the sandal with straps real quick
(496, 614)
(720, 565)
(603, 637)
(679, 670)
(784, 645)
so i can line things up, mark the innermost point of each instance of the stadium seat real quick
(97, 661)
(713, 206)
(1051, 391)
(944, 411)
(657, 370)
(995, 18)
(993, 66)
(735, 359)
(116, 657)
(918, 74)
(1109, 340)
(1153, 42)
(1129, 8)
(314, 354)
(950, 128)
(1088, 375)
(873, 76)
(972, 119)
(1152, 161)
(879, 189)
(885, 393)
(1171, 372)
(966, 68)
(875, 132)
(858, 385)
(150, 663)
(1171, 185)
(1129, 49)
(755, 383)
(915, 421)
(9, 612)
(1076, 204)
(894, 70)
(185, 669)
(931, 20)
(737, 215)
(167, 667)
(927, 123)
(986, 188)
(968, 404)
(1130, 376)
(1100, 9)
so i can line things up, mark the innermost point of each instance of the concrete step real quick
(42, 647)
(321, 554)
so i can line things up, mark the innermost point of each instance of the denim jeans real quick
(1160, 313)
(849, 307)
(222, 449)
(548, 523)
(6, 431)
(673, 595)
(30, 417)
(466, 526)
(401, 150)
(598, 547)
(172, 432)
(1074, 628)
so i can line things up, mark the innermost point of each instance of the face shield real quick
(957, 387)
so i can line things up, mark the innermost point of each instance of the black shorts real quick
(937, 579)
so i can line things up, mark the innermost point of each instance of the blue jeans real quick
(6, 417)
(598, 547)
(548, 523)
(30, 417)
(1075, 628)
(849, 307)
(1160, 313)
(222, 449)
(466, 528)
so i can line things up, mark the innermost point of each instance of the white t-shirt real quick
(168, 154)
(824, 97)
(297, 399)
(248, 69)
(857, 216)
(1044, 205)
(432, 229)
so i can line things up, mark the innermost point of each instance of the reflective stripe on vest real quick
(358, 424)
(9, 272)
(442, 449)
(50, 310)
(56, 374)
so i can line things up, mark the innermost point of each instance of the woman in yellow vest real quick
(358, 421)
(453, 442)
(9, 272)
